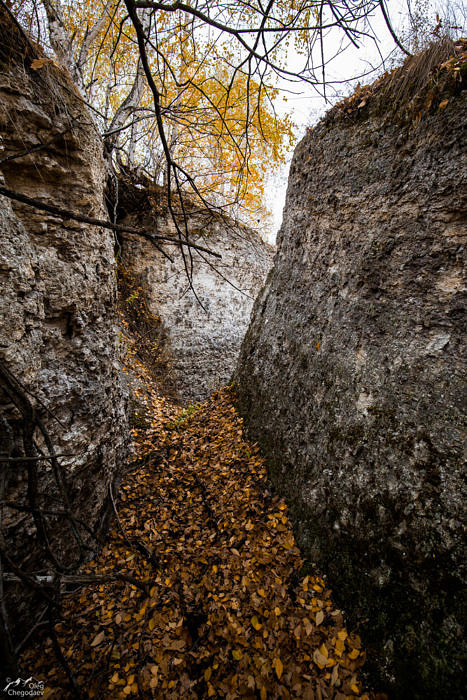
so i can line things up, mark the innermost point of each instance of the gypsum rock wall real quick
(200, 340)
(352, 378)
(58, 332)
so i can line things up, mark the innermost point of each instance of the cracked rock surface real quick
(58, 326)
(351, 377)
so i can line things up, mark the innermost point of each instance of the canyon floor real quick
(222, 605)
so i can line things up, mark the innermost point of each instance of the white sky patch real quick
(308, 106)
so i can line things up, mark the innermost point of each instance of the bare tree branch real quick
(68, 214)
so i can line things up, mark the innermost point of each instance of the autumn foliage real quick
(220, 121)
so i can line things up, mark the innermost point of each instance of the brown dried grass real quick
(421, 84)
(415, 73)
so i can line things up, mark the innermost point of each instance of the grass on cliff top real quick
(424, 84)
(227, 613)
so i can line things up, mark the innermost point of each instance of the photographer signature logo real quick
(28, 688)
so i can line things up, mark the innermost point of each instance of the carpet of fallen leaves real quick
(227, 613)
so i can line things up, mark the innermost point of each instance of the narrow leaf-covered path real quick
(226, 612)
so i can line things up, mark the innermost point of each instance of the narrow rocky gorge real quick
(65, 403)
(300, 533)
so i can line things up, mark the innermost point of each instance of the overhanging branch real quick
(68, 214)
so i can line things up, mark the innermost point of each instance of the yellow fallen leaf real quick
(211, 691)
(262, 693)
(278, 611)
(335, 675)
(319, 659)
(354, 688)
(262, 593)
(98, 639)
(342, 634)
(207, 674)
(339, 647)
(115, 678)
(443, 104)
(278, 667)
(40, 62)
(308, 626)
(256, 623)
(353, 654)
(319, 617)
(323, 649)
(237, 654)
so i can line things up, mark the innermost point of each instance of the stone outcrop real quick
(58, 325)
(351, 375)
(200, 337)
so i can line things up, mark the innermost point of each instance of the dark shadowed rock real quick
(351, 378)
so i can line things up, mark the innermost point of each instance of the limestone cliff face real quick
(201, 344)
(58, 290)
(351, 378)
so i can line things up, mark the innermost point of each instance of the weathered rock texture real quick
(351, 378)
(201, 344)
(58, 330)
